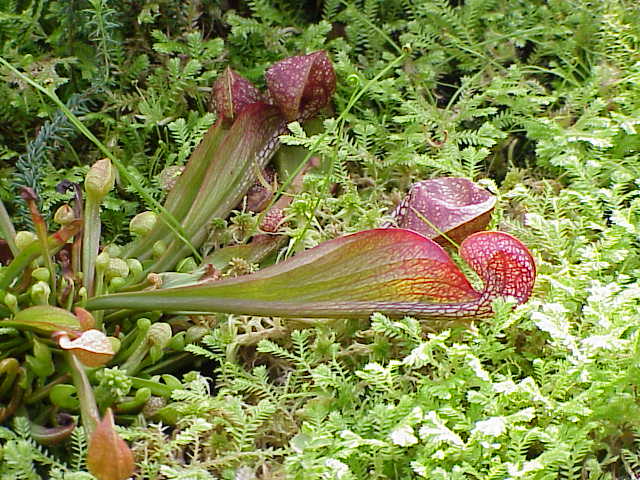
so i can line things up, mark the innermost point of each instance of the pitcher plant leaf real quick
(394, 271)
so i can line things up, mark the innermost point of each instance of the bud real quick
(64, 215)
(102, 261)
(117, 268)
(135, 267)
(41, 273)
(187, 265)
(160, 334)
(108, 456)
(117, 283)
(131, 405)
(99, 180)
(158, 249)
(11, 301)
(24, 238)
(82, 294)
(143, 324)
(40, 292)
(113, 250)
(195, 333)
(177, 342)
(142, 223)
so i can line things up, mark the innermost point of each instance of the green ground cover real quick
(537, 101)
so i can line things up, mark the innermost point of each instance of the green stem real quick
(88, 407)
(7, 230)
(156, 388)
(43, 392)
(90, 243)
(132, 364)
(435, 228)
(99, 290)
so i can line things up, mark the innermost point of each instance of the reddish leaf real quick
(92, 347)
(247, 146)
(44, 319)
(301, 85)
(394, 271)
(457, 207)
(54, 435)
(232, 93)
(504, 264)
(224, 166)
(108, 456)
(87, 322)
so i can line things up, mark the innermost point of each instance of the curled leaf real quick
(92, 347)
(108, 456)
(232, 93)
(394, 271)
(504, 264)
(301, 85)
(54, 435)
(454, 206)
(85, 318)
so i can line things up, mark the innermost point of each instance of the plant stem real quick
(41, 231)
(90, 243)
(7, 230)
(43, 391)
(88, 407)
(156, 388)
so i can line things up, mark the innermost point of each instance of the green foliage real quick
(537, 100)
(23, 458)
